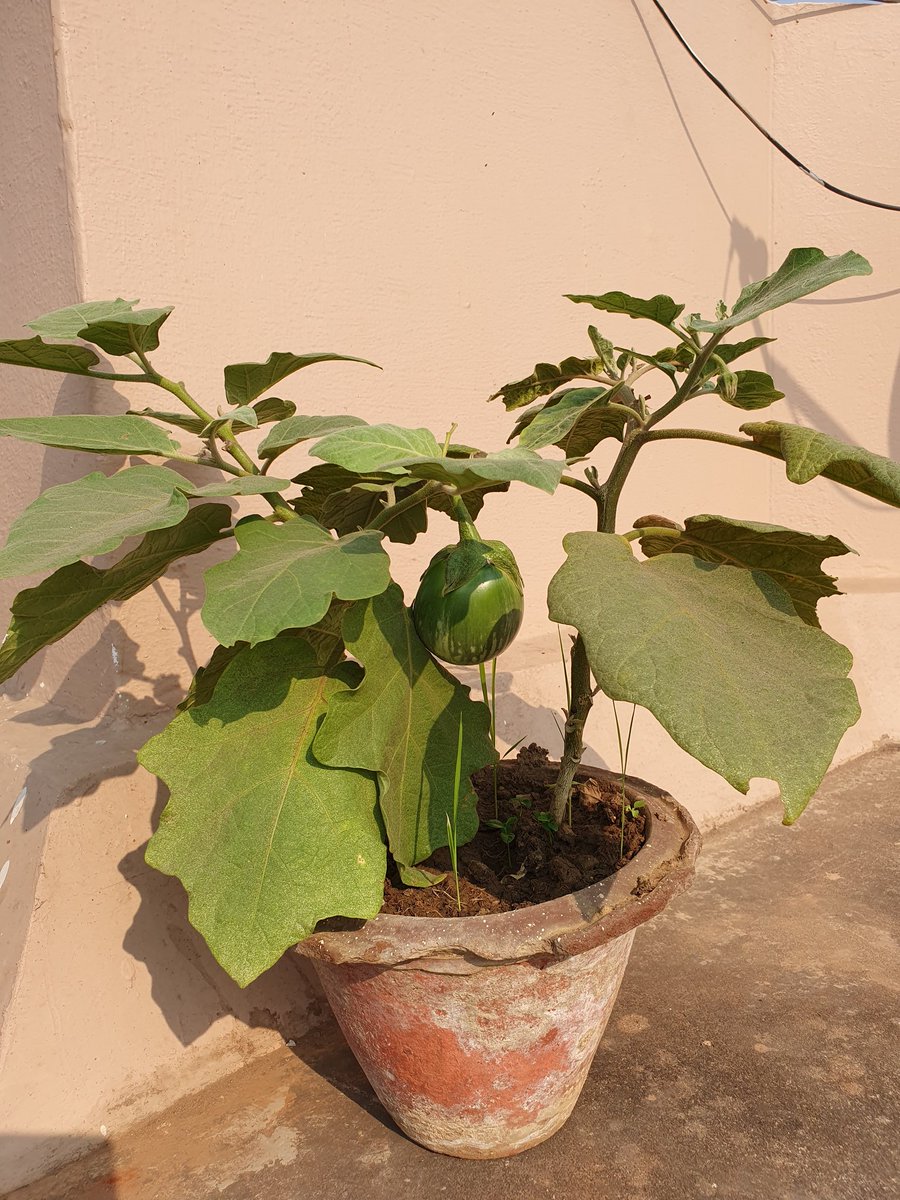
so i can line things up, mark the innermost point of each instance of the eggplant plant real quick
(325, 732)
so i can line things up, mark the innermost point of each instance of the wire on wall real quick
(768, 136)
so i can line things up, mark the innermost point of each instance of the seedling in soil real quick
(627, 810)
(545, 819)
(507, 831)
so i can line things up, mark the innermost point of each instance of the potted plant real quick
(325, 749)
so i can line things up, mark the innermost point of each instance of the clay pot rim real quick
(569, 925)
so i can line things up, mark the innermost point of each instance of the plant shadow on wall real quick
(188, 986)
(747, 250)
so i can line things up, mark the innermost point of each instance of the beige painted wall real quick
(417, 184)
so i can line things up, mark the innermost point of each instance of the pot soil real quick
(477, 1033)
(538, 862)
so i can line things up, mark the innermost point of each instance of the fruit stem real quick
(467, 530)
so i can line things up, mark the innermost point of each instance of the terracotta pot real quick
(477, 1033)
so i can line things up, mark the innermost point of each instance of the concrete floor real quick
(754, 1054)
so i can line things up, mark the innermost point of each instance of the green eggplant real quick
(470, 601)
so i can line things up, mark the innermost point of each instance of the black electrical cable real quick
(768, 136)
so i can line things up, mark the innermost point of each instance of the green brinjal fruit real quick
(470, 602)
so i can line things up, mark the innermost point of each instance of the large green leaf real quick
(266, 840)
(402, 722)
(324, 638)
(807, 453)
(514, 465)
(357, 507)
(68, 322)
(126, 332)
(546, 378)
(284, 576)
(238, 485)
(753, 389)
(661, 309)
(293, 430)
(804, 271)
(578, 417)
(730, 351)
(113, 325)
(34, 352)
(43, 614)
(245, 381)
(473, 499)
(719, 657)
(102, 435)
(792, 559)
(206, 678)
(366, 448)
(92, 516)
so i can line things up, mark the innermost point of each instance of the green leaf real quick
(284, 576)
(546, 378)
(68, 322)
(792, 559)
(358, 506)
(719, 657)
(403, 723)
(239, 485)
(515, 465)
(293, 430)
(124, 333)
(729, 352)
(101, 435)
(271, 409)
(556, 422)
(266, 841)
(182, 420)
(265, 411)
(755, 389)
(244, 416)
(113, 325)
(661, 309)
(207, 677)
(91, 516)
(804, 271)
(326, 636)
(44, 614)
(33, 352)
(473, 500)
(604, 349)
(245, 381)
(372, 447)
(807, 454)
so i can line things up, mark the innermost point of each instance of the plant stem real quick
(689, 382)
(708, 435)
(573, 745)
(231, 443)
(580, 484)
(394, 510)
(467, 530)
(606, 497)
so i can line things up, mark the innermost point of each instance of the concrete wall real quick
(419, 185)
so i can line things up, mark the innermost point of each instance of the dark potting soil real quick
(538, 864)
